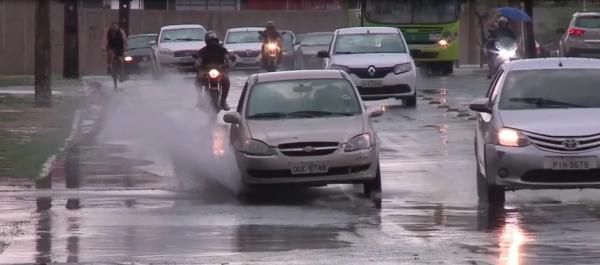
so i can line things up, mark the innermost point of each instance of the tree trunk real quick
(71, 40)
(43, 92)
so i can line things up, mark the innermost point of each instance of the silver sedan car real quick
(539, 127)
(305, 128)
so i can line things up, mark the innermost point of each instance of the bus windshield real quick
(412, 11)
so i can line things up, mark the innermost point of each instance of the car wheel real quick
(410, 101)
(492, 194)
(372, 188)
(447, 68)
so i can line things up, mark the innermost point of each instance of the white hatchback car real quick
(539, 127)
(245, 45)
(305, 128)
(378, 61)
(177, 44)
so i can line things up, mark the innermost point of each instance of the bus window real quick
(412, 11)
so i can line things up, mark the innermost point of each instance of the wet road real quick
(157, 186)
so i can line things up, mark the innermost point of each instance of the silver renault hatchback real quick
(539, 127)
(305, 128)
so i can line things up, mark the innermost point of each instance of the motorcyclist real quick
(214, 54)
(501, 30)
(270, 35)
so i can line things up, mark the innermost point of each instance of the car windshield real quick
(242, 37)
(369, 43)
(182, 35)
(412, 11)
(140, 42)
(588, 22)
(316, 39)
(312, 98)
(542, 89)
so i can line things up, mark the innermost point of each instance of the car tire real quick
(372, 188)
(492, 194)
(447, 68)
(410, 101)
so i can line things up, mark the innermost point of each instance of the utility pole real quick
(43, 92)
(71, 40)
(529, 34)
(124, 7)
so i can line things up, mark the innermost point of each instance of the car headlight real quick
(128, 58)
(402, 68)
(256, 147)
(358, 142)
(511, 138)
(443, 43)
(339, 67)
(165, 51)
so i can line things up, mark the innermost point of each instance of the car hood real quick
(139, 52)
(183, 46)
(255, 46)
(276, 132)
(553, 122)
(364, 60)
(312, 50)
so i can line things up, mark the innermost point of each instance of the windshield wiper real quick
(344, 52)
(268, 115)
(542, 102)
(188, 39)
(317, 113)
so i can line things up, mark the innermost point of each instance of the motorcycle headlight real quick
(257, 148)
(128, 58)
(511, 138)
(507, 53)
(165, 51)
(213, 73)
(402, 68)
(339, 67)
(271, 46)
(359, 142)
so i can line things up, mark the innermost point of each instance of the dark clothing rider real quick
(213, 54)
(270, 35)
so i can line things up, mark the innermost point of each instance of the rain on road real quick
(157, 185)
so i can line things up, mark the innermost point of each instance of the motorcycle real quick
(504, 50)
(210, 88)
(271, 53)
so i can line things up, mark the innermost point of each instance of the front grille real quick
(418, 54)
(288, 174)
(308, 148)
(559, 143)
(184, 53)
(248, 54)
(141, 58)
(364, 72)
(397, 89)
(562, 176)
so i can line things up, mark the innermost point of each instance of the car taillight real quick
(576, 32)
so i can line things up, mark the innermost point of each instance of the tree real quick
(43, 92)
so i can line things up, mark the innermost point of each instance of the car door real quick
(484, 120)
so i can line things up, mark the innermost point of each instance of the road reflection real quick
(505, 222)
(218, 140)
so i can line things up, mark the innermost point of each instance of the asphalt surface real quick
(158, 186)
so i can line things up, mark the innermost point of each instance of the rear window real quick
(544, 89)
(588, 22)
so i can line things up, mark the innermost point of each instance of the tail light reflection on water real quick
(218, 146)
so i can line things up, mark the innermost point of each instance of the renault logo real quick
(371, 70)
(570, 144)
(248, 52)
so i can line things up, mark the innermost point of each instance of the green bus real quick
(429, 26)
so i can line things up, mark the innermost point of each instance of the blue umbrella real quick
(514, 14)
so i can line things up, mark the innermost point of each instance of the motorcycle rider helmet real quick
(502, 21)
(211, 38)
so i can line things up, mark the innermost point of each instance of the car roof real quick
(295, 75)
(552, 63)
(586, 14)
(183, 26)
(246, 29)
(365, 30)
(143, 35)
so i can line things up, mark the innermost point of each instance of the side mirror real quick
(374, 113)
(323, 54)
(232, 118)
(481, 105)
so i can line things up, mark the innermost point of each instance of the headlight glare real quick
(512, 138)
(257, 148)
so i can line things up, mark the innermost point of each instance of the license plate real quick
(371, 83)
(571, 163)
(309, 168)
(247, 60)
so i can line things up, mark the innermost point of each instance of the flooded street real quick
(159, 185)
